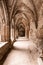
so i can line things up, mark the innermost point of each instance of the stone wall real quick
(4, 23)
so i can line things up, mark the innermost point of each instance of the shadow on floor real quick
(5, 56)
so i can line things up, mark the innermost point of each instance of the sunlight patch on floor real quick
(18, 56)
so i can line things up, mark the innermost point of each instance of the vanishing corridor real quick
(24, 53)
(21, 32)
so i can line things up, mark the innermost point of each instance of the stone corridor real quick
(21, 32)
(24, 52)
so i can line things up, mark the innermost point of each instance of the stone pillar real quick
(0, 36)
(32, 33)
(2, 31)
(27, 32)
(13, 30)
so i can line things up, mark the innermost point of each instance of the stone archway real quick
(4, 22)
(26, 14)
(22, 26)
(21, 29)
(22, 32)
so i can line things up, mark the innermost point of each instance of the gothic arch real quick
(5, 22)
(25, 23)
(24, 8)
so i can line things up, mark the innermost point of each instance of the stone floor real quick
(24, 52)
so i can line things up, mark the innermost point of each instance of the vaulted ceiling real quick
(24, 9)
(37, 3)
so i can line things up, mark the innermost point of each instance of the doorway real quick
(21, 31)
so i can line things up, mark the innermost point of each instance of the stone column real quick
(27, 32)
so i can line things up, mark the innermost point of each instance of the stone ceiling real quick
(29, 8)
